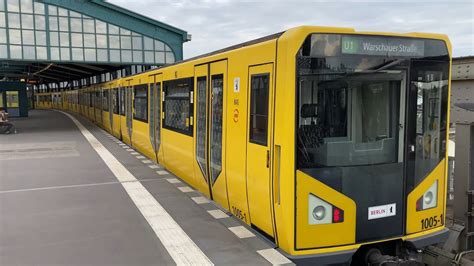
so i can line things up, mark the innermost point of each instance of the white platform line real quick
(162, 172)
(273, 256)
(178, 244)
(147, 161)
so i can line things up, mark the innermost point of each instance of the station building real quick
(54, 45)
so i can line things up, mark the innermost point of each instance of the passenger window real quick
(115, 101)
(97, 99)
(217, 101)
(201, 120)
(105, 102)
(122, 101)
(259, 109)
(178, 105)
(12, 99)
(141, 103)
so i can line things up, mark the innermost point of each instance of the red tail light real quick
(419, 204)
(337, 215)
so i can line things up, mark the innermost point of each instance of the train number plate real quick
(382, 211)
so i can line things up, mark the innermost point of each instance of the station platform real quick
(71, 194)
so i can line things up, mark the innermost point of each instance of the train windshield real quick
(354, 94)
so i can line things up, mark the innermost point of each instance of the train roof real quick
(279, 34)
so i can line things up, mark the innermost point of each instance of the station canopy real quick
(53, 41)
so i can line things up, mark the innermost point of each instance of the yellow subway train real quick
(329, 142)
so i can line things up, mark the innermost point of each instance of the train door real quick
(201, 81)
(259, 143)
(210, 123)
(155, 114)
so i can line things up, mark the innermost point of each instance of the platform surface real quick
(62, 204)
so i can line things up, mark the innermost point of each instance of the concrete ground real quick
(61, 204)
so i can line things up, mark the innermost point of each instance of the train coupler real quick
(374, 257)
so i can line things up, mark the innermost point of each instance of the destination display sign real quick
(364, 45)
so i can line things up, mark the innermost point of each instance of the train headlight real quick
(322, 212)
(429, 199)
(319, 212)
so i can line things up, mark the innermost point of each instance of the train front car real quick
(371, 122)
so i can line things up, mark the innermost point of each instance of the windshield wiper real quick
(388, 64)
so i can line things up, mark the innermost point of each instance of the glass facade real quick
(32, 30)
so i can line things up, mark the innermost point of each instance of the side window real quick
(201, 127)
(105, 102)
(122, 101)
(217, 101)
(141, 103)
(178, 105)
(259, 109)
(115, 101)
(158, 113)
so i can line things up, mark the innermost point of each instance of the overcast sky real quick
(216, 24)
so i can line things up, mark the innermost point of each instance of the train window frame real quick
(136, 97)
(189, 81)
(253, 113)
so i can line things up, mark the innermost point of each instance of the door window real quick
(152, 114)
(157, 108)
(216, 125)
(155, 114)
(201, 125)
(122, 101)
(105, 101)
(115, 101)
(259, 109)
